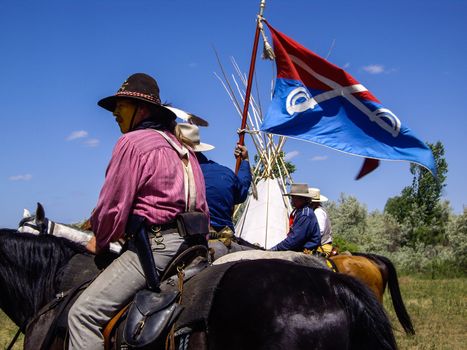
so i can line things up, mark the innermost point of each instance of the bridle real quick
(42, 227)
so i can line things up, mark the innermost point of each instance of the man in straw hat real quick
(143, 192)
(304, 232)
(323, 220)
(224, 189)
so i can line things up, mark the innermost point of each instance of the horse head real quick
(39, 224)
(36, 224)
(31, 269)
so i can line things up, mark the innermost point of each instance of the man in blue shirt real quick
(224, 189)
(304, 234)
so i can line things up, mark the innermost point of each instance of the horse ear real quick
(26, 213)
(40, 212)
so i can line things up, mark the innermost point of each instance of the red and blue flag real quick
(319, 102)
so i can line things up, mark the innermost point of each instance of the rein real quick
(15, 338)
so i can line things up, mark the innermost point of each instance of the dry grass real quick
(438, 309)
(7, 332)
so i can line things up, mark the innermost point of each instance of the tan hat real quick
(191, 132)
(316, 196)
(299, 190)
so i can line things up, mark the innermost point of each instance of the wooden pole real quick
(241, 140)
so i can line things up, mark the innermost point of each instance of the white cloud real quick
(91, 142)
(318, 158)
(374, 69)
(77, 135)
(24, 177)
(347, 65)
(193, 65)
(290, 155)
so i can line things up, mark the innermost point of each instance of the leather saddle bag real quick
(192, 223)
(149, 316)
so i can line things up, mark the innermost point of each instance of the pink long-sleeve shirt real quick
(145, 177)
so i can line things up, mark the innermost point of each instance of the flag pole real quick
(241, 140)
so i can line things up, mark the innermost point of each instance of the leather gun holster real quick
(136, 230)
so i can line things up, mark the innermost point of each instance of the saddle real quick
(151, 314)
(54, 315)
(199, 291)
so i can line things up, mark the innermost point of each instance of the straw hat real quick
(316, 195)
(299, 190)
(191, 132)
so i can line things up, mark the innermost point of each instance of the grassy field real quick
(438, 309)
(7, 332)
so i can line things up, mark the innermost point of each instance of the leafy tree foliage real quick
(382, 235)
(457, 238)
(275, 168)
(419, 209)
(358, 231)
(348, 217)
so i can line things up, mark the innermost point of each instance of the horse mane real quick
(283, 305)
(30, 271)
(368, 317)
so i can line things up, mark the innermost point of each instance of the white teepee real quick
(264, 218)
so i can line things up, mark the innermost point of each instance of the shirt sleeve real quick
(242, 182)
(110, 216)
(303, 233)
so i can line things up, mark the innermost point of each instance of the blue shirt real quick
(224, 189)
(304, 233)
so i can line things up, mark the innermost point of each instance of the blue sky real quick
(58, 58)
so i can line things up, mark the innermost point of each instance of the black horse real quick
(258, 304)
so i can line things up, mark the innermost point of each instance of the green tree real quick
(382, 234)
(419, 209)
(348, 218)
(457, 238)
(275, 168)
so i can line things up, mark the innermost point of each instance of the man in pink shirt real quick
(151, 176)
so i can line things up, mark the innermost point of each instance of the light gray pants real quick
(111, 291)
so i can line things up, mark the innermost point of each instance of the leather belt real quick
(156, 229)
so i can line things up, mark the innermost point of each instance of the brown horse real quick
(376, 271)
(363, 269)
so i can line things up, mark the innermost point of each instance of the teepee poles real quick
(241, 140)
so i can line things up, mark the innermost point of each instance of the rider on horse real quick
(151, 179)
(304, 234)
(224, 188)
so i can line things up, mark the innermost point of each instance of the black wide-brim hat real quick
(141, 87)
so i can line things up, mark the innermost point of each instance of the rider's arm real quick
(243, 178)
(110, 216)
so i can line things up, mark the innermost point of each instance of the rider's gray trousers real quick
(111, 291)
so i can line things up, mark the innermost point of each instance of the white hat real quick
(316, 196)
(187, 117)
(191, 132)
